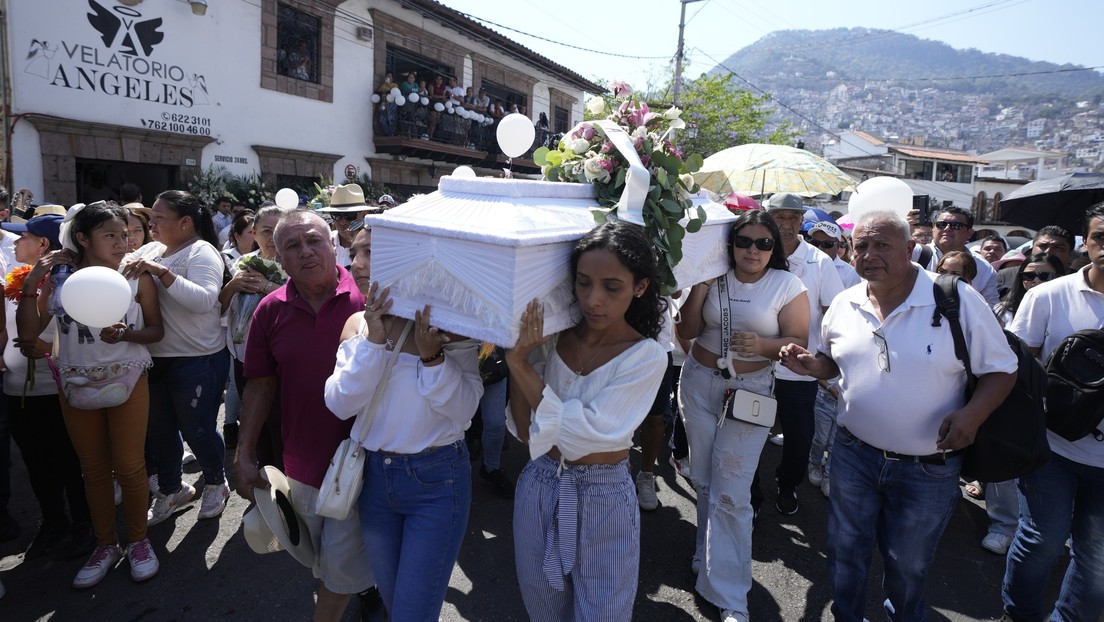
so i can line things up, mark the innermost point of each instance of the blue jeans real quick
(1063, 499)
(413, 513)
(902, 507)
(184, 401)
(232, 400)
(1003, 506)
(824, 430)
(493, 407)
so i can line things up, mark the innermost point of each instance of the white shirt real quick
(1049, 313)
(340, 252)
(7, 251)
(190, 309)
(985, 281)
(846, 273)
(598, 412)
(901, 409)
(821, 280)
(422, 407)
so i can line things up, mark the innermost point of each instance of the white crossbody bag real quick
(345, 477)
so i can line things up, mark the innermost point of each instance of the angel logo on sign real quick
(108, 25)
(122, 66)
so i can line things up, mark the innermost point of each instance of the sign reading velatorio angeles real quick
(120, 58)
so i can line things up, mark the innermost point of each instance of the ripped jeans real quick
(724, 461)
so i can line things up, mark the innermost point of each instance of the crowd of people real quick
(281, 320)
(441, 110)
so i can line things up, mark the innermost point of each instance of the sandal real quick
(975, 490)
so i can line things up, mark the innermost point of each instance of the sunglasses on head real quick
(825, 244)
(954, 226)
(1038, 276)
(743, 241)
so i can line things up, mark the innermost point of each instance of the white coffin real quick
(479, 249)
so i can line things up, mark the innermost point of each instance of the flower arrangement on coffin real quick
(241, 310)
(13, 291)
(587, 154)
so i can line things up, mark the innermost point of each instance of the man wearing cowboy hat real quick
(346, 206)
(292, 348)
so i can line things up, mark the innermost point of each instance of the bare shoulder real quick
(352, 325)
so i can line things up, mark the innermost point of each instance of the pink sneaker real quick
(95, 569)
(143, 562)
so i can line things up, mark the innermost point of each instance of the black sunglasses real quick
(825, 244)
(1041, 276)
(743, 241)
(954, 226)
(346, 216)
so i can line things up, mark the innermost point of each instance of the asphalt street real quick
(208, 572)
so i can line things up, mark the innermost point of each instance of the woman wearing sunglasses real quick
(1039, 268)
(762, 307)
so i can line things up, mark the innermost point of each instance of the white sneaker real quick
(682, 467)
(214, 500)
(188, 458)
(646, 491)
(816, 475)
(826, 487)
(730, 615)
(118, 492)
(996, 543)
(776, 439)
(143, 561)
(95, 569)
(165, 506)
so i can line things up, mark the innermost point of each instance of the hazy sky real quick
(1059, 31)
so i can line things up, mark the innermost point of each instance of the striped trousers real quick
(577, 541)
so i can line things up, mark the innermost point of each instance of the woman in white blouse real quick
(417, 478)
(576, 402)
(764, 307)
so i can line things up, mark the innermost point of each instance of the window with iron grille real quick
(298, 35)
(561, 121)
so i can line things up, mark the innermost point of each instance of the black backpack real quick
(1075, 386)
(1012, 442)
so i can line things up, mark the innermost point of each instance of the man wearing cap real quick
(292, 348)
(796, 394)
(34, 412)
(346, 206)
(827, 236)
(954, 227)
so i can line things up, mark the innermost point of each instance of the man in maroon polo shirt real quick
(292, 348)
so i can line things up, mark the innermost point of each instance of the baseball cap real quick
(784, 201)
(47, 226)
(830, 229)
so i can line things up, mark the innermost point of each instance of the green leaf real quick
(671, 206)
(675, 234)
(539, 155)
(694, 225)
(693, 163)
(702, 216)
(662, 178)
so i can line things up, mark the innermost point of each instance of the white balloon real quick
(287, 198)
(413, 98)
(425, 101)
(463, 171)
(439, 107)
(480, 118)
(880, 193)
(450, 110)
(396, 92)
(400, 101)
(515, 134)
(96, 296)
(390, 97)
(375, 98)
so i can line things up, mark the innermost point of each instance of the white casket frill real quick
(705, 253)
(479, 249)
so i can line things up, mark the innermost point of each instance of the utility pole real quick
(678, 54)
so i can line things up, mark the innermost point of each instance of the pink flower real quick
(587, 132)
(620, 88)
(607, 147)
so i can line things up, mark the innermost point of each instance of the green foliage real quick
(250, 189)
(725, 116)
(210, 184)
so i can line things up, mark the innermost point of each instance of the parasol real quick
(758, 169)
(1057, 201)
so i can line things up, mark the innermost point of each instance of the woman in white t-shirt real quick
(576, 400)
(190, 364)
(764, 307)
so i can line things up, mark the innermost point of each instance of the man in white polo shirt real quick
(954, 227)
(1064, 499)
(796, 394)
(895, 461)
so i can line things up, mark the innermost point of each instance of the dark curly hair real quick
(777, 259)
(187, 204)
(636, 252)
(93, 216)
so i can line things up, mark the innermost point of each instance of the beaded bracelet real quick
(429, 359)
